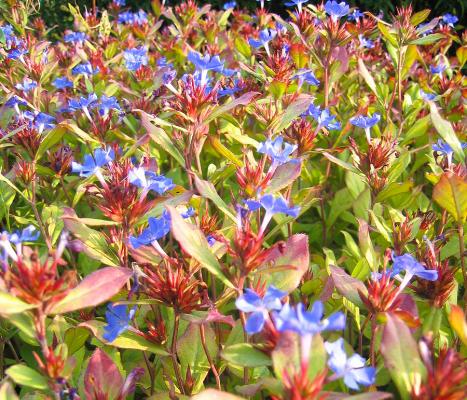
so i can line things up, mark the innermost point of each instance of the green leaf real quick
(245, 99)
(393, 189)
(419, 17)
(191, 353)
(207, 190)
(50, 139)
(75, 338)
(160, 137)
(127, 340)
(298, 107)
(387, 34)
(95, 245)
(446, 131)
(363, 70)
(401, 357)
(343, 164)
(93, 290)
(245, 355)
(12, 305)
(212, 394)
(451, 193)
(347, 286)
(428, 39)
(26, 376)
(284, 175)
(193, 241)
(6, 390)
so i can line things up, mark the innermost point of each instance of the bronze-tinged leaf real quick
(193, 242)
(451, 193)
(401, 357)
(93, 290)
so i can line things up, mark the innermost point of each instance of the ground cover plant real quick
(226, 204)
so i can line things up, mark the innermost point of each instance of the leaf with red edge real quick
(401, 357)
(93, 290)
(102, 377)
(290, 262)
(193, 242)
(347, 286)
(457, 321)
(284, 175)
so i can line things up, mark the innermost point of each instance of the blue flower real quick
(15, 102)
(272, 205)
(188, 213)
(427, 96)
(355, 15)
(450, 19)
(139, 18)
(336, 10)
(119, 3)
(306, 76)
(412, 267)
(352, 368)
(297, 3)
(437, 69)
(211, 240)
(107, 104)
(265, 36)
(17, 53)
(148, 180)
(366, 123)
(91, 163)
(157, 229)
(206, 63)
(62, 83)
(84, 69)
(162, 63)
(323, 117)
(27, 85)
(83, 104)
(40, 120)
(230, 4)
(28, 234)
(367, 43)
(442, 147)
(118, 320)
(135, 58)
(278, 150)
(75, 37)
(305, 322)
(258, 308)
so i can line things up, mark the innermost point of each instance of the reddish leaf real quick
(347, 286)
(102, 378)
(93, 290)
(401, 357)
(193, 242)
(290, 262)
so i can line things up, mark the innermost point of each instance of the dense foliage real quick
(230, 204)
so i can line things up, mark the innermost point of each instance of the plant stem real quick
(202, 334)
(460, 231)
(173, 353)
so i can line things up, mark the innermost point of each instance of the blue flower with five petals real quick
(278, 150)
(118, 320)
(149, 180)
(258, 308)
(353, 369)
(92, 163)
(336, 10)
(157, 229)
